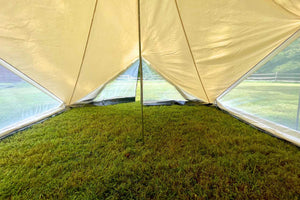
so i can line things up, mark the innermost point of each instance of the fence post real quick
(276, 76)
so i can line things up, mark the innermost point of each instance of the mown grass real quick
(274, 101)
(190, 152)
(21, 100)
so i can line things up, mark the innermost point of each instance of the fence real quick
(280, 77)
(152, 77)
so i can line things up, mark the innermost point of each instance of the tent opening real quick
(120, 90)
(157, 90)
(22, 103)
(126, 88)
(271, 95)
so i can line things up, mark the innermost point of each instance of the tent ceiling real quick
(73, 47)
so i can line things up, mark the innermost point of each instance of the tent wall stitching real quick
(85, 49)
(192, 55)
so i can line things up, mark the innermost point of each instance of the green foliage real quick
(287, 61)
(190, 152)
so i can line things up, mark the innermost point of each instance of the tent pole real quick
(298, 113)
(141, 70)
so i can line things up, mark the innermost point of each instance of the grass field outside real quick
(154, 90)
(190, 152)
(20, 100)
(117, 89)
(158, 90)
(274, 101)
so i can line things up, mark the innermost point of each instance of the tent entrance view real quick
(125, 88)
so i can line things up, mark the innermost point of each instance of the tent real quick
(71, 50)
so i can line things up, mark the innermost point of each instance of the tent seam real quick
(191, 52)
(284, 8)
(85, 50)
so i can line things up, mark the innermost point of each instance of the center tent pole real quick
(141, 69)
(298, 113)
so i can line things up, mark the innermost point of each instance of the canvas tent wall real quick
(73, 48)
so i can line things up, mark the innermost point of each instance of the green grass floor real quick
(190, 152)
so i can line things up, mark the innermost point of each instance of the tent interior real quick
(239, 55)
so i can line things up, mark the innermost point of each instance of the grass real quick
(275, 101)
(117, 89)
(154, 90)
(190, 152)
(159, 90)
(20, 101)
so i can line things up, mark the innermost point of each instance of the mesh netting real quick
(124, 86)
(156, 88)
(20, 101)
(272, 92)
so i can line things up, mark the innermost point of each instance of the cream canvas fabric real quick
(73, 47)
(292, 6)
(45, 40)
